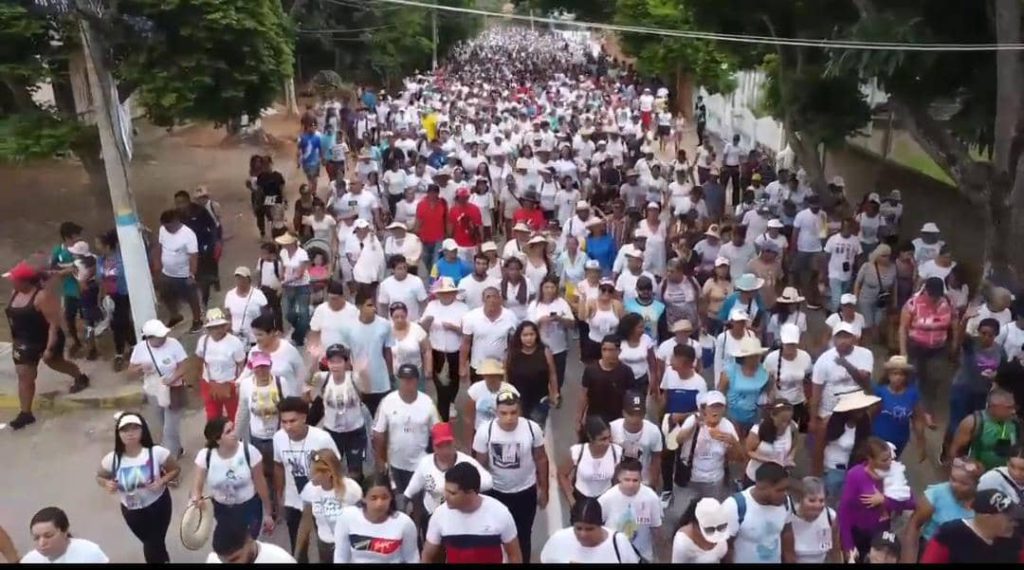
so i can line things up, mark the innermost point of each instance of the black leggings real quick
(292, 518)
(121, 324)
(149, 525)
(523, 508)
(446, 394)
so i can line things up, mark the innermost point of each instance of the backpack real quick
(741, 508)
(979, 424)
(490, 430)
(245, 451)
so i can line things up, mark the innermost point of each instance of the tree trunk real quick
(290, 101)
(684, 94)
(87, 146)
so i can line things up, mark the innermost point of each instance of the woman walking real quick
(138, 472)
(376, 520)
(344, 419)
(158, 359)
(230, 472)
(442, 319)
(223, 356)
(323, 498)
(590, 470)
(601, 314)
(411, 344)
(110, 270)
(531, 369)
(554, 318)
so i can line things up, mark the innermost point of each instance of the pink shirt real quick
(929, 321)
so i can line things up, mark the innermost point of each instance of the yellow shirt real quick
(430, 125)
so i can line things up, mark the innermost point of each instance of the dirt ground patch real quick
(41, 195)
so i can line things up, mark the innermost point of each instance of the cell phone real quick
(554, 313)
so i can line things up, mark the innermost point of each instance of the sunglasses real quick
(968, 466)
(507, 398)
(714, 529)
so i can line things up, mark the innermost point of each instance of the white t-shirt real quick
(229, 480)
(359, 541)
(291, 265)
(869, 227)
(134, 474)
(665, 349)
(409, 291)
(626, 282)
(442, 339)
(685, 551)
(430, 479)
(364, 203)
(1011, 338)
(564, 548)
(261, 405)
(471, 291)
(485, 402)
(490, 338)
(175, 250)
(267, 554)
(243, 310)
(857, 324)
(407, 427)
(490, 519)
(759, 538)
(407, 350)
(635, 357)
(837, 451)
(789, 379)
(778, 450)
(327, 506)
(641, 446)
(594, 474)
(330, 323)
(835, 380)
(295, 456)
(809, 224)
(510, 453)
(710, 456)
(79, 551)
(554, 333)
(635, 516)
(394, 181)
(286, 362)
(158, 362)
(842, 251)
(812, 541)
(221, 358)
(343, 410)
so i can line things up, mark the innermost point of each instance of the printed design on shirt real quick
(297, 462)
(263, 402)
(132, 478)
(231, 485)
(506, 455)
(768, 539)
(382, 546)
(327, 507)
(898, 412)
(486, 408)
(627, 523)
(631, 445)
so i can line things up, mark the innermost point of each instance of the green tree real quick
(683, 60)
(184, 59)
(816, 109)
(953, 101)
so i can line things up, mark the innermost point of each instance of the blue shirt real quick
(893, 423)
(455, 269)
(437, 159)
(753, 309)
(309, 149)
(603, 250)
(327, 142)
(947, 508)
(743, 392)
(651, 314)
(367, 342)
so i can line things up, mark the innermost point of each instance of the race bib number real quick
(270, 201)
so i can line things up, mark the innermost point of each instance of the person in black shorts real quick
(34, 315)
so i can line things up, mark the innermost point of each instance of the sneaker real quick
(196, 327)
(24, 419)
(80, 383)
(453, 412)
(666, 499)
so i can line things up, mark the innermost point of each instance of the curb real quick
(61, 402)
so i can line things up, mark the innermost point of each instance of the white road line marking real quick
(553, 512)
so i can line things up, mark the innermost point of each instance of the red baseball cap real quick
(442, 433)
(23, 271)
(462, 192)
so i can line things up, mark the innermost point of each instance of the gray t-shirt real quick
(873, 279)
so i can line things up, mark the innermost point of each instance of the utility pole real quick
(115, 160)
(433, 25)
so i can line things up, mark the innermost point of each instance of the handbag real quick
(684, 471)
(219, 391)
(178, 397)
(883, 296)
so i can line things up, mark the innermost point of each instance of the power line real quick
(346, 30)
(735, 38)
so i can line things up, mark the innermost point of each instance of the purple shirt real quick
(854, 515)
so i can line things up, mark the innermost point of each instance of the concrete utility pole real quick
(433, 25)
(108, 120)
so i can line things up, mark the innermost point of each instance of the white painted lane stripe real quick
(553, 512)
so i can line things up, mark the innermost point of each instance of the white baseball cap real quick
(155, 328)
(449, 245)
(361, 225)
(844, 327)
(789, 333)
(775, 223)
(738, 314)
(848, 299)
(711, 398)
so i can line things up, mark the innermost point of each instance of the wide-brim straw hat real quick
(898, 362)
(749, 346)
(197, 524)
(855, 401)
(789, 295)
(749, 282)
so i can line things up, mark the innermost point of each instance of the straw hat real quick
(215, 318)
(855, 401)
(790, 295)
(286, 239)
(749, 346)
(713, 231)
(749, 282)
(197, 524)
(671, 439)
(445, 285)
(491, 367)
(898, 362)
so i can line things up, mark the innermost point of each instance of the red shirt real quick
(533, 218)
(430, 217)
(466, 223)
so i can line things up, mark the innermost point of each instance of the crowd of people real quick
(485, 229)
